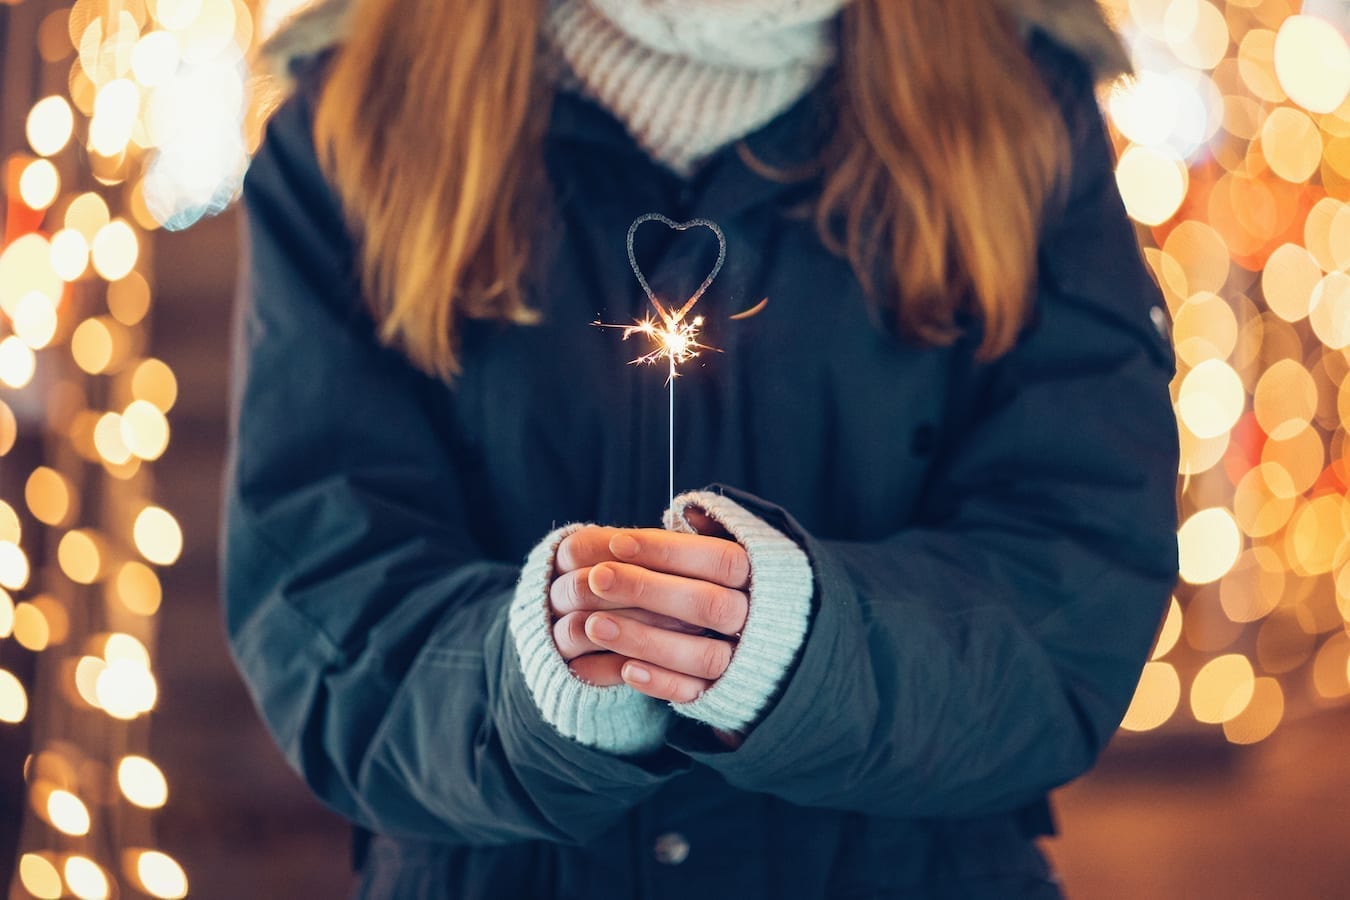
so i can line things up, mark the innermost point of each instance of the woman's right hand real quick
(687, 585)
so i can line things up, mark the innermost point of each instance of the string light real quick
(1251, 252)
(69, 276)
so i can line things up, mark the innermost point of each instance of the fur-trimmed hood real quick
(1080, 25)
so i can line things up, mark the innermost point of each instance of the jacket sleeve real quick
(371, 628)
(966, 665)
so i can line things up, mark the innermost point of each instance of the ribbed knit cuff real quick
(781, 585)
(615, 718)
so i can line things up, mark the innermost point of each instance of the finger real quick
(569, 634)
(583, 547)
(692, 555)
(569, 631)
(690, 600)
(599, 669)
(663, 684)
(572, 593)
(687, 654)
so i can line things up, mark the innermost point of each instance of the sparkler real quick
(673, 338)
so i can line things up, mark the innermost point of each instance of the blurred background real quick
(131, 763)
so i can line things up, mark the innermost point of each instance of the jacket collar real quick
(1079, 25)
(719, 188)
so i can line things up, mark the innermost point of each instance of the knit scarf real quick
(687, 77)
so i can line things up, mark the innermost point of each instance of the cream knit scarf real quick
(689, 76)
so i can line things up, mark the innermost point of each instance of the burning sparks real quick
(672, 340)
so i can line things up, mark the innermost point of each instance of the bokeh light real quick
(154, 382)
(160, 875)
(137, 588)
(13, 698)
(26, 266)
(142, 783)
(157, 536)
(86, 878)
(17, 363)
(49, 496)
(124, 689)
(115, 250)
(1152, 182)
(49, 126)
(35, 321)
(31, 630)
(40, 877)
(86, 214)
(1312, 63)
(70, 254)
(145, 431)
(67, 813)
(80, 556)
(13, 566)
(39, 183)
(115, 109)
(1222, 688)
(1155, 698)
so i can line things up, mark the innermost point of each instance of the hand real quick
(662, 592)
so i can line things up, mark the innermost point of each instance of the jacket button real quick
(671, 848)
(921, 443)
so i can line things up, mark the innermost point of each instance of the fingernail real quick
(602, 629)
(602, 578)
(636, 673)
(624, 546)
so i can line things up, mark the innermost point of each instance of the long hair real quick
(430, 127)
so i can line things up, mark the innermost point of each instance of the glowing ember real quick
(675, 341)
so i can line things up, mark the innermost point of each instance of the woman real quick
(937, 526)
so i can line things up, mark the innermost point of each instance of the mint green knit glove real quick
(616, 719)
(781, 587)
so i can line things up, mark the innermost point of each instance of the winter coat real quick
(992, 544)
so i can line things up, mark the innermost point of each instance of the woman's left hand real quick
(697, 579)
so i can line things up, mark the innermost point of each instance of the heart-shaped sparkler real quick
(676, 317)
(672, 339)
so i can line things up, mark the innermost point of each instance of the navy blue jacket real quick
(993, 543)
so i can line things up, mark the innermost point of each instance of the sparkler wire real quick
(675, 340)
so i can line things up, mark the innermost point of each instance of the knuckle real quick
(664, 551)
(713, 607)
(562, 635)
(577, 548)
(572, 592)
(732, 565)
(642, 641)
(715, 657)
(633, 580)
(559, 595)
(576, 629)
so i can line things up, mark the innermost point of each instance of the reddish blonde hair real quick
(430, 127)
